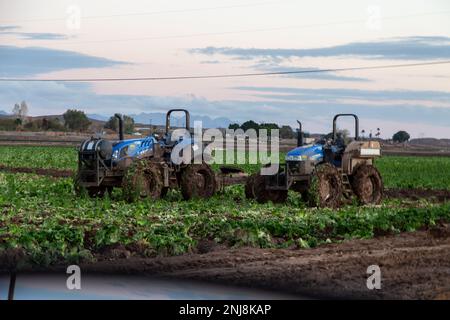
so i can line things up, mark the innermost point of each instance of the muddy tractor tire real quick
(198, 181)
(249, 184)
(325, 190)
(264, 195)
(93, 192)
(367, 184)
(143, 179)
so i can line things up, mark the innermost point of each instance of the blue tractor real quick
(144, 168)
(325, 173)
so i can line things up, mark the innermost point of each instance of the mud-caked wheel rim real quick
(142, 180)
(367, 184)
(325, 189)
(198, 181)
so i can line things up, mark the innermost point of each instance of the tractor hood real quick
(308, 152)
(132, 147)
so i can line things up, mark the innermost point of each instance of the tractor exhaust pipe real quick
(299, 135)
(118, 116)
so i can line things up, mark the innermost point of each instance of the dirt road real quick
(413, 266)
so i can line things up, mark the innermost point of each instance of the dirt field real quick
(413, 266)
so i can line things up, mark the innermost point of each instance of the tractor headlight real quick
(115, 155)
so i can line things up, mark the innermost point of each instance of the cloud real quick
(298, 94)
(8, 28)
(210, 62)
(42, 36)
(17, 61)
(405, 48)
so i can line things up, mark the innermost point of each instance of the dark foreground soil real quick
(417, 194)
(413, 266)
(39, 171)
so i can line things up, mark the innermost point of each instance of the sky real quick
(125, 39)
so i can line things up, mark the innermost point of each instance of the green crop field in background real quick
(415, 172)
(39, 157)
(397, 172)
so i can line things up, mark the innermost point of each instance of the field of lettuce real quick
(42, 218)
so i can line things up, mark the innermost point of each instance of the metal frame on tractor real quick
(298, 173)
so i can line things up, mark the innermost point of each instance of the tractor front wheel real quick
(198, 181)
(367, 184)
(142, 179)
(263, 195)
(325, 189)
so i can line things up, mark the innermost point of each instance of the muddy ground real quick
(413, 266)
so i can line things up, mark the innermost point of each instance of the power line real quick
(150, 13)
(202, 34)
(236, 75)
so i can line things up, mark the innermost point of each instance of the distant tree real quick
(128, 124)
(44, 124)
(286, 132)
(16, 109)
(23, 110)
(250, 125)
(18, 123)
(234, 126)
(269, 126)
(401, 136)
(32, 126)
(8, 124)
(76, 120)
(20, 110)
(51, 125)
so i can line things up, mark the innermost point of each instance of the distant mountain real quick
(96, 116)
(3, 113)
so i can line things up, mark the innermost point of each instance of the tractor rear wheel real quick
(264, 195)
(198, 181)
(326, 188)
(367, 184)
(142, 179)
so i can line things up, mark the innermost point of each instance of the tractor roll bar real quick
(188, 118)
(118, 116)
(346, 115)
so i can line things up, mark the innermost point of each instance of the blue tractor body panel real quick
(308, 152)
(132, 148)
(135, 147)
(312, 152)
